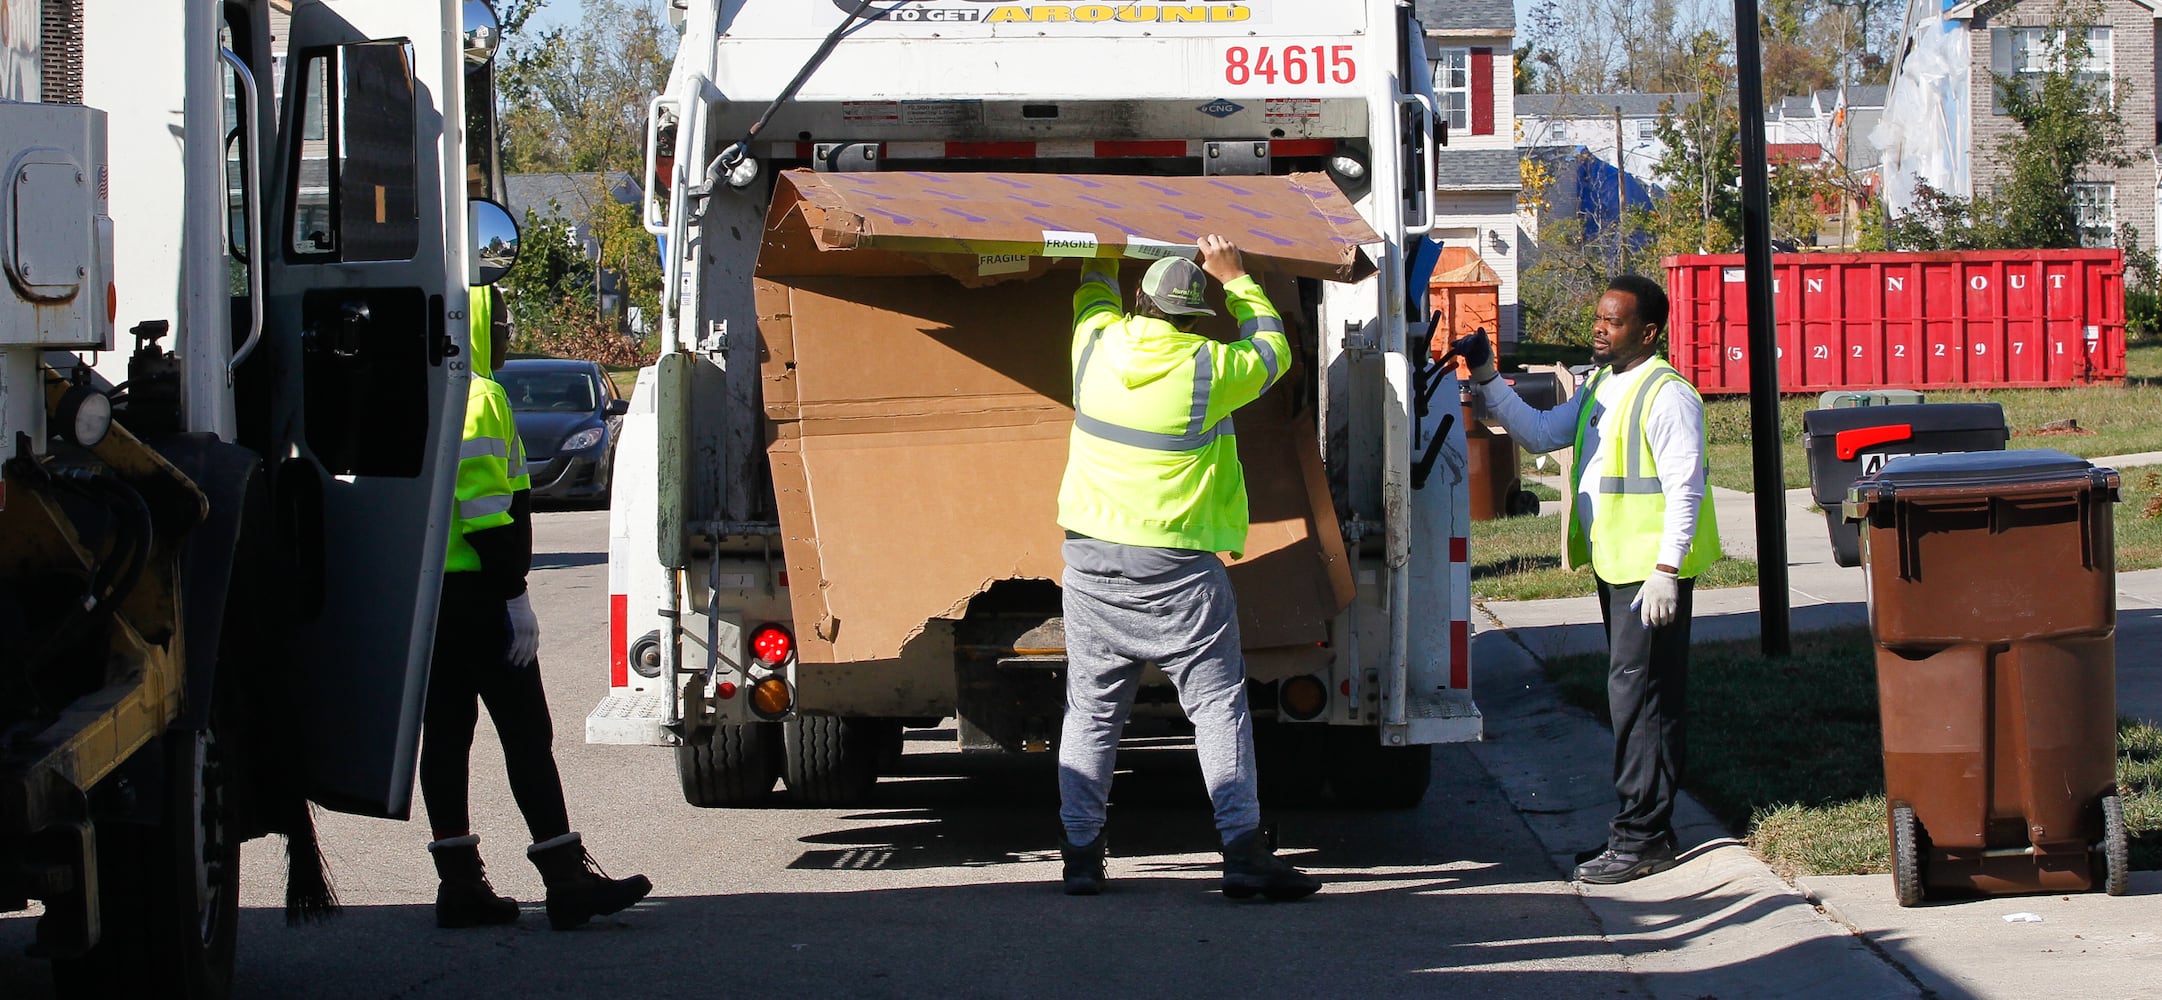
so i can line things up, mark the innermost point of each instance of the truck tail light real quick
(772, 698)
(772, 645)
(1303, 698)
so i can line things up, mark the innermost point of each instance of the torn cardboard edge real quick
(981, 228)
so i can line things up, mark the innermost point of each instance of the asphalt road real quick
(944, 886)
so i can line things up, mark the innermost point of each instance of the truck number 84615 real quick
(1292, 64)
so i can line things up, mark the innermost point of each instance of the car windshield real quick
(556, 391)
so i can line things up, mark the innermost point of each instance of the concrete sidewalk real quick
(1723, 924)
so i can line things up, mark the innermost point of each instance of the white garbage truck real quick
(835, 498)
(234, 237)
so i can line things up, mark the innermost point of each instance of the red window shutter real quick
(1482, 91)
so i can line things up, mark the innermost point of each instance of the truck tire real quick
(166, 932)
(736, 765)
(834, 761)
(1366, 775)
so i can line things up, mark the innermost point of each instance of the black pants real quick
(471, 637)
(1647, 686)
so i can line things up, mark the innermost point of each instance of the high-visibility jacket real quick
(491, 459)
(1629, 505)
(1153, 460)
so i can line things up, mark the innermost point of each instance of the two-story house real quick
(1945, 125)
(1469, 43)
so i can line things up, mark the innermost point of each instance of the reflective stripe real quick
(1204, 374)
(1261, 324)
(517, 461)
(482, 447)
(1149, 440)
(1268, 361)
(1081, 367)
(1629, 484)
(480, 507)
(1633, 458)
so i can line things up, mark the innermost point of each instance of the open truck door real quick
(364, 335)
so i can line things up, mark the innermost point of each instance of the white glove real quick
(524, 631)
(1658, 599)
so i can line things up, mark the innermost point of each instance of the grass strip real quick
(1789, 751)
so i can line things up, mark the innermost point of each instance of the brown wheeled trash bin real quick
(1992, 600)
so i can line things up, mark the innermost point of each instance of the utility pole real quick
(1771, 487)
(1621, 197)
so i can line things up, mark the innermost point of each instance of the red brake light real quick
(772, 644)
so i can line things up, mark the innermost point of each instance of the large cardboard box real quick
(919, 408)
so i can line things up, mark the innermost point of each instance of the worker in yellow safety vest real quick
(1153, 491)
(487, 642)
(1639, 516)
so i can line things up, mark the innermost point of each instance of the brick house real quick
(1468, 44)
(1950, 129)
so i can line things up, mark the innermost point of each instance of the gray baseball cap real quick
(1178, 287)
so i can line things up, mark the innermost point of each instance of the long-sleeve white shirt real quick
(1673, 424)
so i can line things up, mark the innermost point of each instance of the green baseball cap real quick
(1178, 287)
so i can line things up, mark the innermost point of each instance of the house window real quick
(1452, 87)
(2095, 206)
(2021, 55)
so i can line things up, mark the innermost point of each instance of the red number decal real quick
(1344, 67)
(1236, 72)
(1265, 64)
(1295, 64)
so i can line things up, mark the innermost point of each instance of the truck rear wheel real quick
(1367, 775)
(736, 765)
(834, 761)
(1293, 761)
(169, 895)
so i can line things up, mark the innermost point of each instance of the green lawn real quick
(1519, 559)
(1788, 751)
(2121, 419)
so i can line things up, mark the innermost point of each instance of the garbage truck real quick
(235, 244)
(835, 511)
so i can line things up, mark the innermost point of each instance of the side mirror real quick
(495, 242)
(483, 34)
(618, 407)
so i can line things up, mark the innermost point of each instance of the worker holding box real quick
(1153, 491)
(1638, 516)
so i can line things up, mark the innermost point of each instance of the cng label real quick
(1221, 108)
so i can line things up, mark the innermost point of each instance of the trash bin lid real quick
(1923, 418)
(1967, 473)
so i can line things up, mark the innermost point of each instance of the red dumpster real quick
(1972, 319)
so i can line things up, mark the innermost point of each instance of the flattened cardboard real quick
(918, 436)
(989, 228)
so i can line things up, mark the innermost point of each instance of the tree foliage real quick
(1643, 46)
(573, 100)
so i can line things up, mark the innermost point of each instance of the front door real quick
(364, 225)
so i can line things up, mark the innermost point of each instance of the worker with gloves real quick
(1153, 491)
(1639, 516)
(486, 646)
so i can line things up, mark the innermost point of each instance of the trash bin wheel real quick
(2116, 847)
(1524, 503)
(1906, 856)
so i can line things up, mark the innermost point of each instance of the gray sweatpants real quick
(1184, 620)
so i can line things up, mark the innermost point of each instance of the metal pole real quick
(1771, 487)
(1621, 197)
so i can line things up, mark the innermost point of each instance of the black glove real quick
(1478, 354)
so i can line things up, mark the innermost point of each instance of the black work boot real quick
(1614, 866)
(1084, 872)
(578, 890)
(464, 898)
(1251, 868)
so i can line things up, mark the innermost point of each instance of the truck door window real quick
(353, 160)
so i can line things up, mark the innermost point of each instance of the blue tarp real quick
(1599, 192)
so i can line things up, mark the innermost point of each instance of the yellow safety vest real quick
(1153, 459)
(1629, 506)
(491, 459)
